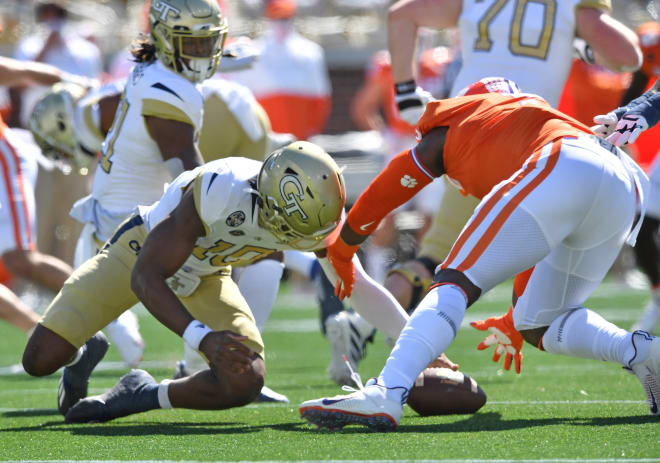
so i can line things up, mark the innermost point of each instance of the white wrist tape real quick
(194, 333)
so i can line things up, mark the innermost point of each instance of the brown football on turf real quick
(441, 391)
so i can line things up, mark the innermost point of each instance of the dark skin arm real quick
(175, 139)
(108, 107)
(636, 88)
(430, 151)
(178, 234)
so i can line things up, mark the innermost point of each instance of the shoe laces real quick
(355, 376)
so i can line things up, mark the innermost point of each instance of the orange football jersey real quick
(491, 135)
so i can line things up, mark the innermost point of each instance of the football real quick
(441, 391)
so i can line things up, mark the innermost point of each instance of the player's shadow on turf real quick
(32, 412)
(492, 421)
(154, 428)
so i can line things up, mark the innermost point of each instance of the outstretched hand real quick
(504, 336)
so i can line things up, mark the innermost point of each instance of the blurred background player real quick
(61, 42)
(290, 78)
(18, 167)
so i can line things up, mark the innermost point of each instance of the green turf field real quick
(559, 409)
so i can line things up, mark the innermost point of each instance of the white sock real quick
(584, 333)
(428, 333)
(194, 361)
(163, 396)
(259, 283)
(300, 262)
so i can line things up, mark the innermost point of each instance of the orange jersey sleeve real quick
(491, 135)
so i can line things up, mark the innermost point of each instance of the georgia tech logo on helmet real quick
(164, 9)
(291, 199)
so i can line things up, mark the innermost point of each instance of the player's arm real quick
(615, 46)
(177, 235)
(14, 72)
(365, 107)
(176, 142)
(107, 108)
(403, 20)
(638, 83)
(403, 178)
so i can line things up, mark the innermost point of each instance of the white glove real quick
(412, 104)
(237, 56)
(628, 129)
(583, 51)
(606, 124)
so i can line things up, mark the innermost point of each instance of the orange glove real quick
(507, 339)
(340, 256)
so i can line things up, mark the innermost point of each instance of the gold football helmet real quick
(52, 125)
(302, 195)
(188, 35)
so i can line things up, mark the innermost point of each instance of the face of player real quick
(200, 47)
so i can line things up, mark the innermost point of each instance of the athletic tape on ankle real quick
(194, 333)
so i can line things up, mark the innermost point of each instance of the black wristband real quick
(405, 87)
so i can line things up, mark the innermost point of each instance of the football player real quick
(555, 197)
(229, 212)
(69, 123)
(17, 208)
(494, 38)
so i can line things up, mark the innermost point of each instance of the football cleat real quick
(348, 334)
(132, 394)
(75, 378)
(368, 406)
(268, 395)
(648, 371)
(180, 371)
(125, 335)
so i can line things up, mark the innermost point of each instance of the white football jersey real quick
(131, 170)
(87, 116)
(227, 204)
(529, 42)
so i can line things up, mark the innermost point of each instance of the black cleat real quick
(75, 379)
(135, 392)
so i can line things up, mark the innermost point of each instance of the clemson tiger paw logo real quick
(408, 181)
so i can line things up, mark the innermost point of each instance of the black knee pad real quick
(458, 278)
